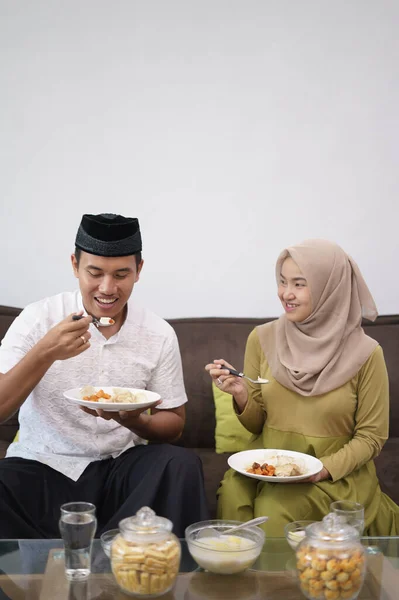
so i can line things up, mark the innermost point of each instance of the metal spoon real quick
(211, 532)
(101, 322)
(238, 374)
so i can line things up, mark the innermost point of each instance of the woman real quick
(327, 396)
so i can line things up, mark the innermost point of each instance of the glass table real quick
(34, 570)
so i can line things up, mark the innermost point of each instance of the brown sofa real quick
(204, 339)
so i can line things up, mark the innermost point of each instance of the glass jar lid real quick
(145, 526)
(333, 528)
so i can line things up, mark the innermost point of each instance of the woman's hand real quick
(321, 476)
(324, 474)
(228, 383)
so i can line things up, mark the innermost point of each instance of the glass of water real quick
(353, 513)
(78, 525)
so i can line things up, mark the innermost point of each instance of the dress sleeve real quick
(253, 416)
(371, 420)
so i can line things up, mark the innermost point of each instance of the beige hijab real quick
(327, 349)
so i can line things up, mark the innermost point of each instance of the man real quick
(66, 453)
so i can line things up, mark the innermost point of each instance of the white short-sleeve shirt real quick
(143, 354)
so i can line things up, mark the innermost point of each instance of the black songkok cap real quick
(109, 235)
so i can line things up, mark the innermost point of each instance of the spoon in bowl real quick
(101, 322)
(212, 532)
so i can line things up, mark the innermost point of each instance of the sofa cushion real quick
(215, 466)
(3, 448)
(387, 464)
(7, 315)
(9, 429)
(230, 434)
(202, 340)
(386, 331)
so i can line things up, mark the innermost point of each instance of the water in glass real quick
(77, 526)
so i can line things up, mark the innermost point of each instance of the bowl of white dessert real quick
(214, 550)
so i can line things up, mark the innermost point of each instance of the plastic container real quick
(295, 532)
(226, 554)
(145, 556)
(331, 561)
(106, 540)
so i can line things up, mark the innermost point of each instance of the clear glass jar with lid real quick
(331, 561)
(145, 555)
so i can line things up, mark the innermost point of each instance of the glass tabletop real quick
(35, 569)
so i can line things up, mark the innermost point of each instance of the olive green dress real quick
(345, 428)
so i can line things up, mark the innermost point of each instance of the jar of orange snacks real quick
(331, 561)
(145, 555)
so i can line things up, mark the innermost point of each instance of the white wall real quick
(230, 128)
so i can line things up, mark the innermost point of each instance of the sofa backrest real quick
(204, 339)
(9, 429)
(201, 341)
(386, 331)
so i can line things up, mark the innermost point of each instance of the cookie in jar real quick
(331, 561)
(145, 556)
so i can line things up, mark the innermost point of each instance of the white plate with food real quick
(276, 466)
(111, 398)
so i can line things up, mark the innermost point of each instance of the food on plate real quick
(124, 396)
(120, 395)
(264, 469)
(281, 468)
(97, 396)
(288, 470)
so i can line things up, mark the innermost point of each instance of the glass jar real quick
(145, 556)
(331, 561)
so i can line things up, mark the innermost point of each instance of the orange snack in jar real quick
(330, 561)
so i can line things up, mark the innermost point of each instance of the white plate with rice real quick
(306, 464)
(120, 398)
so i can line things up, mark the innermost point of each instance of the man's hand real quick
(128, 418)
(162, 425)
(67, 339)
